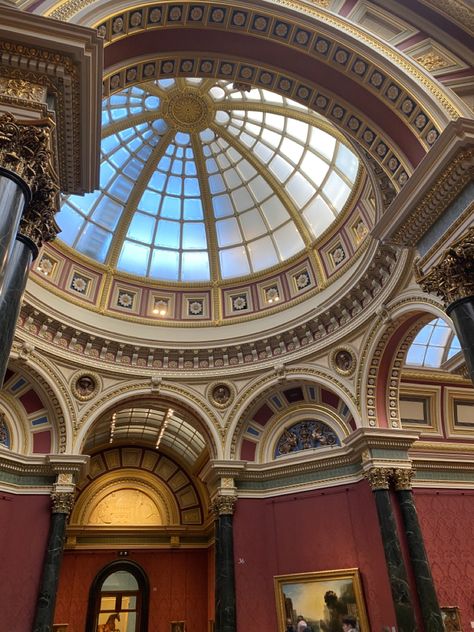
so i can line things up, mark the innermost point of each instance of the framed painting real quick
(322, 599)
(451, 619)
(178, 626)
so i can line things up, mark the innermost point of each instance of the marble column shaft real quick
(12, 287)
(404, 611)
(225, 576)
(424, 582)
(49, 581)
(462, 314)
(13, 197)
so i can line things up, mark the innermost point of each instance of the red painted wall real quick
(24, 525)
(447, 521)
(178, 586)
(312, 531)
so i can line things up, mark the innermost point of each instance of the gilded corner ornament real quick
(453, 278)
(379, 478)
(62, 502)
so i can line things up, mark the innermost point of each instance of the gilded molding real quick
(379, 478)
(62, 502)
(224, 505)
(22, 90)
(452, 278)
(402, 478)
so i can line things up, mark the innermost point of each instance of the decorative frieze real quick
(453, 278)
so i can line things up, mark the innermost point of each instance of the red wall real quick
(24, 525)
(447, 522)
(178, 586)
(312, 531)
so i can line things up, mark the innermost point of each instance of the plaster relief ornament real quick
(344, 361)
(85, 386)
(222, 394)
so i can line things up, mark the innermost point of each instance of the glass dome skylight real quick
(434, 344)
(200, 181)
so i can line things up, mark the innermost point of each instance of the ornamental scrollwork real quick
(452, 278)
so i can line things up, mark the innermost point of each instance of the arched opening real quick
(119, 595)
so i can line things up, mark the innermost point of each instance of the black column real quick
(404, 611)
(12, 286)
(62, 503)
(14, 194)
(462, 314)
(225, 576)
(424, 582)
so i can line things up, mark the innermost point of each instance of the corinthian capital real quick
(63, 502)
(379, 477)
(224, 505)
(402, 478)
(453, 277)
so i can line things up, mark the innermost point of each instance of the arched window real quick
(118, 599)
(435, 344)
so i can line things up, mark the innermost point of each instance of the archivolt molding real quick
(237, 416)
(388, 321)
(131, 19)
(193, 404)
(17, 422)
(58, 397)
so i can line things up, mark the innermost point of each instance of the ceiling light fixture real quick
(163, 426)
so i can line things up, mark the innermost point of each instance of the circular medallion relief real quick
(187, 111)
(85, 385)
(343, 361)
(221, 394)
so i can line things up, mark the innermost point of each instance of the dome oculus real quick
(200, 181)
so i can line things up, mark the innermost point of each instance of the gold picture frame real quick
(451, 619)
(321, 596)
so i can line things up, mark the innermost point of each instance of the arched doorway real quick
(119, 593)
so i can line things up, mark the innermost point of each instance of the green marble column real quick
(44, 617)
(424, 582)
(225, 576)
(379, 479)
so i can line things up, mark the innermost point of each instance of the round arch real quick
(192, 406)
(94, 593)
(384, 352)
(264, 385)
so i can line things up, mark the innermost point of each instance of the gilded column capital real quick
(63, 502)
(452, 278)
(37, 223)
(402, 478)
(224, 505)
(379, 477)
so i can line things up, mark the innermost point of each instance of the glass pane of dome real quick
(195, 165)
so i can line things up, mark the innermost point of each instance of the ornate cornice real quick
(453, 278)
